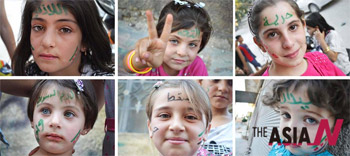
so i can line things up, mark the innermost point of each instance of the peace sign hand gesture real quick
(149, 51)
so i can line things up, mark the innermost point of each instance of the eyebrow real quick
(169, 108)
(314, 113)
(71, 106)
(179, 38)
(271, 29)
(60, 20)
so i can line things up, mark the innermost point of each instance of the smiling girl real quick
(278, 28)
(178, 118)
(172, 46)
(65, 38)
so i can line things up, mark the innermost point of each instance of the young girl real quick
(220, 137)
(60, 111)
(172, 46)
(65, 38)
(303, 103)
(178, 118)
(279, 29)
(329, 40)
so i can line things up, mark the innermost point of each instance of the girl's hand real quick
(319, 35)
(149, 51)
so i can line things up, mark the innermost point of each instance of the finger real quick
(167, 28)
(152, 32)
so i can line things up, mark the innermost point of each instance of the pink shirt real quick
(196, 68)
(318, 64)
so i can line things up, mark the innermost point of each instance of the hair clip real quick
(158, 84)
(250, 12)
(79, 85)
(182, 3)
(199, 5)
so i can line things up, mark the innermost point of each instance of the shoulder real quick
(32, 69)
(196, 68)
(88, 71)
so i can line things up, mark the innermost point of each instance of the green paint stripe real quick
(201, 133)
(73, 54)
(75, 136)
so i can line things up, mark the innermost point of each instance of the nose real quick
(176, 125)
(287, 41)
(55, 121)
(49, 40)
(295, 125)
(223, 86)
(182, 50)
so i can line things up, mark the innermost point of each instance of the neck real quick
(170, 71)
(220, 117)
(280, 70)
(43, 152)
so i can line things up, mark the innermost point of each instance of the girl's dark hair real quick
(332, 95)
(254, 17)
(94, 36)
(185, 18)
(316, 19)
(86, 97)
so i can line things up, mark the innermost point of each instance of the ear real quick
(257, 42)
(83, 48)
(200, 81)
(85, 131)
(149, 129)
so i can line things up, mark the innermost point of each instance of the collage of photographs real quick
(282, 90)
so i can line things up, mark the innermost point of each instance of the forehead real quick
(278, 14)
(193, 33)
(52, 8)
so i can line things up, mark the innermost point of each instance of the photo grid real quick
(283, 91)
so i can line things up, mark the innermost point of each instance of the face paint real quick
(318, 148)
(291, 100)
(43, 98)
(75, 139)
(287, 16)
(200, 138)
(31, 46)
(194, 33)
(53, 9)
(178, 98)
(73, 56)
(155, 129)
(40, 123)
(65, 97)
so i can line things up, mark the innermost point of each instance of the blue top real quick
(282, 151)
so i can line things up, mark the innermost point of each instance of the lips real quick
(221, 97)
(292, 55)
(179, 61)
(176, 140)
(48, 56)
(54, 137)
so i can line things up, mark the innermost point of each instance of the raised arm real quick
(6, 32)
(149, 51)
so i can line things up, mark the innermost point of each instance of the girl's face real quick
(175, 128)
(56, 39)
(182, 49)
(310, 30)
(219, 91)
(297, 111)
(282, 35)
(58, 120)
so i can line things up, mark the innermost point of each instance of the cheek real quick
(268, 50)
